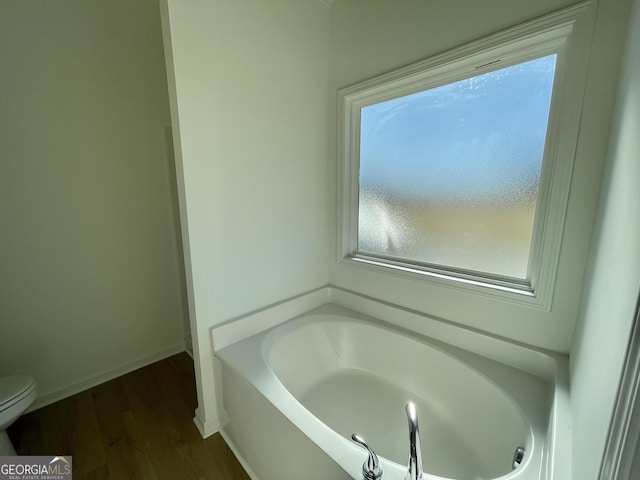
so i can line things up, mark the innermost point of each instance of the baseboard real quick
(81, 386)
(205, 427)
(236, 452)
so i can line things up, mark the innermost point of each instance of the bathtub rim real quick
(539, 362)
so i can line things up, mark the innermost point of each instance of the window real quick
(451, 169)
(449, 176)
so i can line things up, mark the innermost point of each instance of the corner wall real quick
(248, 87)
(89, 265)
(613, 281)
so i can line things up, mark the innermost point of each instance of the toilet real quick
(17, 392)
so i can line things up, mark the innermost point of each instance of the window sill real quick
(519, 293)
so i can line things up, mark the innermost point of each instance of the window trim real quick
(543, 36)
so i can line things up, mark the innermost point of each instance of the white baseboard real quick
(57, 395)
(236, 452)
(205, 427)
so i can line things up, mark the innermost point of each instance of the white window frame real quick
(540, 37)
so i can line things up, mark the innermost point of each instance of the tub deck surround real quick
(333, 371)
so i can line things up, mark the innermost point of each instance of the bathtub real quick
(293, 395)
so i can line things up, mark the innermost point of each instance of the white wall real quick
(248, 81)
(89, 268)
(370, 37)
(255, 144)
(613, 280)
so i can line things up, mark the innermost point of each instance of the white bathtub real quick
(295, 393)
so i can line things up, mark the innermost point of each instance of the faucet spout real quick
(414, 471)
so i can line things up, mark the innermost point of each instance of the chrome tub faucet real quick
(371, 469)
(414, 471)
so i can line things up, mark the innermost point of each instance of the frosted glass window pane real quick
(449, 176)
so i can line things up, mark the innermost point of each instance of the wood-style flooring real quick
(138, 426)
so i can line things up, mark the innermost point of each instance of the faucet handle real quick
(371, 469)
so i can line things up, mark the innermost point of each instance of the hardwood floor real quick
(138, 426)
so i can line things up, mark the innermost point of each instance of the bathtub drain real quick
(518, 455)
